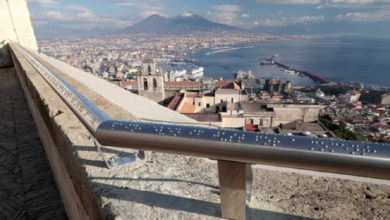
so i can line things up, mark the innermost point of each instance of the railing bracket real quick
(118, 161)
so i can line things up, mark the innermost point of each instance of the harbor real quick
(318, 79)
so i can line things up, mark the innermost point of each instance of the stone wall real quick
(5, 57)
(77, 194)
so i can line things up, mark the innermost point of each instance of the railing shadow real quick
(184, 204)
(158, 180)
(167, 201)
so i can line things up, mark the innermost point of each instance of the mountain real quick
(182, 24)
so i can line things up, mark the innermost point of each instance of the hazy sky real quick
(111, 14)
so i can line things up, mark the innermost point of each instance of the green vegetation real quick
(340, 130)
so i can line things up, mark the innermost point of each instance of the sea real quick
(339, 59)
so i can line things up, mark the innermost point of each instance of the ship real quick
(196, 73)
(179, 73)
(290, 71)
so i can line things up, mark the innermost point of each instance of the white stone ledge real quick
(138, 106)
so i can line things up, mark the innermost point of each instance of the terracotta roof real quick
(119, 74)
(182, 83)
(133, 83)
(379, 125)
(187, 108)
(175, 101)
(227, 85)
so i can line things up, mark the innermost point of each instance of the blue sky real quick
(111, 14)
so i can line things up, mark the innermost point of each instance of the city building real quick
(150, 82)
(376, 97)
(350, 96)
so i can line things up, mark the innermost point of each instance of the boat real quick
(196, 73)
(289, 71)
(179, 73)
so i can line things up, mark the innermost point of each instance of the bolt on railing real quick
(233, 149)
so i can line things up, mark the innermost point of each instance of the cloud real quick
(290, 2)
(44, 3)
(147, 13)
(227, 7)
(76, 8)
(309, 19)
(82, 20)
(226, 14)
(272, 22)
(283, 21)
(245, 15)
(57, 5)
(74, 16)
(148, 7)
(328, 3)
(352, 3)
(382, 14)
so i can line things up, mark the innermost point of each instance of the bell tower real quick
(150, 81)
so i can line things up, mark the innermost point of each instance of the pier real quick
(318, 79)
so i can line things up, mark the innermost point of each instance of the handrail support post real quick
(232, 182)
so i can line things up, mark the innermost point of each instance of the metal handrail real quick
(330, 155)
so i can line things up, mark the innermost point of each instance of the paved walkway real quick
(27, 187)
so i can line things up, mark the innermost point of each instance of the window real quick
(232, 100)
(252, 121)
(208, 105)
(154, 83)
(221, 100)
(199, 104)
(145, 84)
(149, 70)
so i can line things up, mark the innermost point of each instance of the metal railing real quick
(230, 147)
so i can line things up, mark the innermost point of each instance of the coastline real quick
(206, 58)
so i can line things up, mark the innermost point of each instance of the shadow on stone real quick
(95, 163)
(157, 180)
(183, 204)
